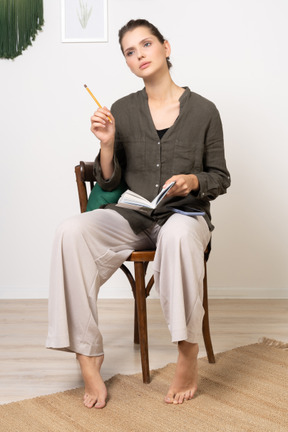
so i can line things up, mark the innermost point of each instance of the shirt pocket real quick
(187, 157)
(135, 150)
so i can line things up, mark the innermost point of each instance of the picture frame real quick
(84, 21)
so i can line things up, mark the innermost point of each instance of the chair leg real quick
(205, 325)
(132, 283)
(140, 298)
(136, 331)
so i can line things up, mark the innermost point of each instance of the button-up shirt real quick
(192, 145)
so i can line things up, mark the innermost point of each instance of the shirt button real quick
(158, 143)
(157, 165)
(157, 185)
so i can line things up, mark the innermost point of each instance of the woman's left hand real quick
(185, 183)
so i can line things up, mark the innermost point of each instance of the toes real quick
(179, 398)
(187, 396)
(92, 401)
(192, 393)
(169, 398)
(100, 404)
(89, 402)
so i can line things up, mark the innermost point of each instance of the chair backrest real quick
(84, 174)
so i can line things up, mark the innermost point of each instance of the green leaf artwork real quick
(84, 13)
(20, 21)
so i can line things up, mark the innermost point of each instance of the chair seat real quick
(143, 256)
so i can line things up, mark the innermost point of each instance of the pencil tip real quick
(85, 85)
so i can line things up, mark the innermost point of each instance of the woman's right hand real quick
(103, 126)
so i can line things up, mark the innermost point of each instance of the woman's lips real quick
(144, 65)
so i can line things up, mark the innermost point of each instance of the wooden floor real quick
(27, 369)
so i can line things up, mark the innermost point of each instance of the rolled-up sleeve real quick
(114, 180)
(215, 178)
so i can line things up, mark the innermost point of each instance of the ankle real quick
(90, 361)
(188, 348)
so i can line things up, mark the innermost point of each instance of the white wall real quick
(232, 52)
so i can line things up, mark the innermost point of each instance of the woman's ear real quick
(167, 48)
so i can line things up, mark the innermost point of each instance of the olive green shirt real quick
(192, 145)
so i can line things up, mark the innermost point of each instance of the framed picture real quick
(84, 21)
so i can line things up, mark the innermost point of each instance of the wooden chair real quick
(141, 290)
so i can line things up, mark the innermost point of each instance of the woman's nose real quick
(140, 55)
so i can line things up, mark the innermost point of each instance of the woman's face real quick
(144, 53)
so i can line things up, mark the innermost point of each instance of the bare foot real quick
(95, 389)
(184, 384)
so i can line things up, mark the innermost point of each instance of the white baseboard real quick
(109, 292)
(24, 293)
(247, 293)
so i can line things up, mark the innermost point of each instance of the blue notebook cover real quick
(187, 211)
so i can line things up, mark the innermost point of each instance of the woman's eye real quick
(147, 44)
(129, 53)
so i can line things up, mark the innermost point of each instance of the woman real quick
(161, 134)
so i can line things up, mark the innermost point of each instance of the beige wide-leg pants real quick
(90, 247)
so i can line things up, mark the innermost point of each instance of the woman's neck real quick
(163, 102)
(162, 91)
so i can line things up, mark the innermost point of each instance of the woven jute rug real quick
(246, 390)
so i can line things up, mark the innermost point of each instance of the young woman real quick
(150, 138)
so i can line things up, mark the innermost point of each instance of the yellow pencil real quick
(91, 94)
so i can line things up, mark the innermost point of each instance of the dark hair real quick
(133, 24)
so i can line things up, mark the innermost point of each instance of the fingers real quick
(171, 180)
(103, 126)
(180, 188)
(185, 183)
(101, 118)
